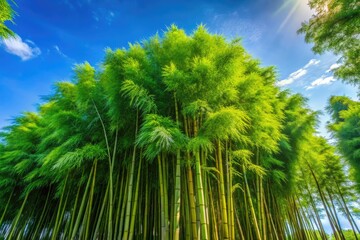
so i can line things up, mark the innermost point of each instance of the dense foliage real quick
(346, 129)
(6, 14)
(179, 137)
(335, 27)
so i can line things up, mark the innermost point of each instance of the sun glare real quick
(297, 12)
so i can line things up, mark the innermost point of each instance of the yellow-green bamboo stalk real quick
(7, 206)
(252, 210)
(134, 207)
(82, 206)
(200, 195)
(17, 218)
(223, 203)
(99, 217)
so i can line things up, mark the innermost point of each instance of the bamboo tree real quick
(177, 137)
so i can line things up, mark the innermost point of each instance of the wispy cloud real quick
(333, 67)
(323, 80)
(233, 25)
(102, 14)
(311, 63)
(297, 74)
(62, 54)
(292, 77)
(110, 17)
(57, 49)
(23, 49)
(95, 16)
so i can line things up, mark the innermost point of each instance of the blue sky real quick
(55, 35)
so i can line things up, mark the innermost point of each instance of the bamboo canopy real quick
(177, 137)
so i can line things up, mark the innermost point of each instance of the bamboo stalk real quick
(82, 206)
(17, 218)
(257, 231)
(136, 200)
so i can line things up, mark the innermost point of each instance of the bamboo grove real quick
(178, 137)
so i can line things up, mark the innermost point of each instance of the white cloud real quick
(312, 62)
(333, 67)
(56, 47)
(25, 50)
(321, 81)
(292, 77)
(297, 74)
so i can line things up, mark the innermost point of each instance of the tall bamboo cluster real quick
(179, 137)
